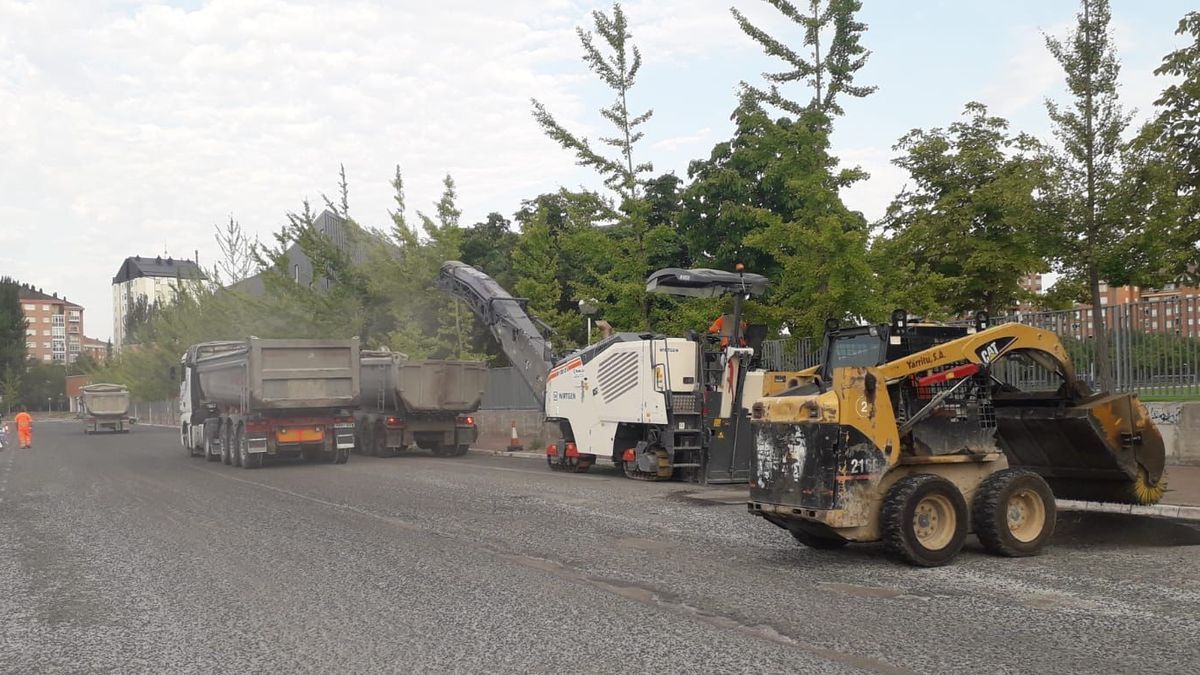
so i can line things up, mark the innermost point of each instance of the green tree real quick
(237, 260)
(618, 70)
(566, 247)
(12, 327)
(972, 215)
(769, 198)
(1090, 129)
(1173, 155)
(427, 323)
(43, 385)
(10, 387)
(830, 73)
(489, 245)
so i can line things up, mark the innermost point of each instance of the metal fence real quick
(165, 413)
(506, 390)
(1153, 345)
(791, 353)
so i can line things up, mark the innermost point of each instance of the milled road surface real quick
(119, 553)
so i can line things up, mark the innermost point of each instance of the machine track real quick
(665, 471)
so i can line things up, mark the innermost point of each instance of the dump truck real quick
(408, 404)
(242, 401)
(660, 407)
(106, 406)
(918, 435)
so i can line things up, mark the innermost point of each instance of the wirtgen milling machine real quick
(659, 407)
(919, 434)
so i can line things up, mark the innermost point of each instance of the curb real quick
(1176, 511)
(505, 453)
(524, 454)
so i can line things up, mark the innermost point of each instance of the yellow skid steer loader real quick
(917, 435)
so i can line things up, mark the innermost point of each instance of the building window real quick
(45, 308)
(1154, 312)
(296, 273)
(45, 357)
(31, 331)
(45, 345)
(30, 308)
(30, 345)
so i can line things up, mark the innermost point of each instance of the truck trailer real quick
(106, 406)
(242, 401)
(410, 404)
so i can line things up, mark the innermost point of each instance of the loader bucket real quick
(1104, 448)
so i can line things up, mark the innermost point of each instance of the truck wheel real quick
(437, 450)
(461, 450)
(226, 451)
(245, 458)
(924, 520)
(342, 456)
(379, 441)
(1014, 513)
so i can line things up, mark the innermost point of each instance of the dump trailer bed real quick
(424, 404)
(272, 375)
(107, 407)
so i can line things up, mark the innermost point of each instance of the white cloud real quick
(130, 127)
(1028, 74)
(873, 195)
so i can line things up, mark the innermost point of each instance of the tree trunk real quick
(1100, 332)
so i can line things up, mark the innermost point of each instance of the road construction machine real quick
(407, 404)
(241, 401)
(917, 435)
(658, 407)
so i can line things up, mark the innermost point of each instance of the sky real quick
(134, 127)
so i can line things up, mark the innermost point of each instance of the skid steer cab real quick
(918, 434)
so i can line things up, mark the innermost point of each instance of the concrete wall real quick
(1179, 424)
(495, 428)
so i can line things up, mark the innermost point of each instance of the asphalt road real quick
(119, 553)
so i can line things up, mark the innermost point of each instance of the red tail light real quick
(396, 423)
(258, 426)
(469, 421)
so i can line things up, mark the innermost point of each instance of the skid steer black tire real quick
(1014, 513)
(943, 526)
(816, 541)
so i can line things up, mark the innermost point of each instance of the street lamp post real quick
(589, 309)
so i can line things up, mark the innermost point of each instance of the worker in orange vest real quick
(718, 328)
(24, 428)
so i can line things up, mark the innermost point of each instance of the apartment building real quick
(53, 326)
(1173, 310)
(155, 279)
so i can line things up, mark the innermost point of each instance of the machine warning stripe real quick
(571, 365)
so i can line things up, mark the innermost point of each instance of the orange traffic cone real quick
(514, 443)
